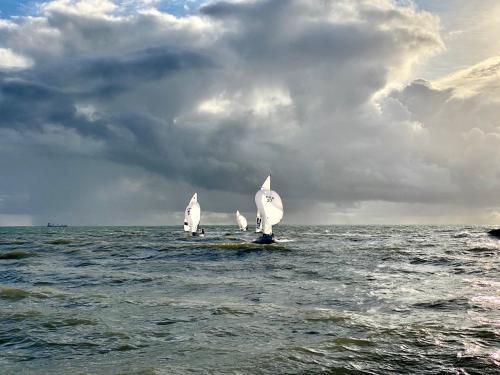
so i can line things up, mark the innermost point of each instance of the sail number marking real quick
(269, 198)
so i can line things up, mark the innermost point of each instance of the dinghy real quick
(270, 208)
(192, 215)
(242, 221)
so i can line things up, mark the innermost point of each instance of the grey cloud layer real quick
(215, 101)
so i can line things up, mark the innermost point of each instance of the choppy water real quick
(342, 299)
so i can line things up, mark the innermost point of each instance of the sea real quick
(321, 300)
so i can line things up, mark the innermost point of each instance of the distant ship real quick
(49, 225)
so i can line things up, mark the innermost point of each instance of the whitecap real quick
(284, 240)
(496, 357)
(487, 301)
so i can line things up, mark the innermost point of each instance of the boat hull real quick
(494, 233)
(265, 239)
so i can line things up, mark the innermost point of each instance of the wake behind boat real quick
(270, 210)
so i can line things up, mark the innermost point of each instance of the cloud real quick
(460, 115)
(80, 7)
(473, 80)
(469, 30)
(116, 99)
(11, 60)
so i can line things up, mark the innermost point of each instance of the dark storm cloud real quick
(49, 95)
(216, 100)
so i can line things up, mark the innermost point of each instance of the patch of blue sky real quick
(180, 7)
(12, 8)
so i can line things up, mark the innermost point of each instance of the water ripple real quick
(341, 299)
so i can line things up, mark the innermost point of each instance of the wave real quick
(16, 254)
(15, 294)
(70, 322)
(20, 316)
(284, 240)
(231, 310)
(495, 357)
(350, 341)
(60, 241)
(49, 343)
(481, 249)
(443, 304)
(431, 260)
(486, 301)
(248, 246)
(13, 242)
(115, 335)
(324, 315)
(476, 354)
(483, 283)
(313, 351)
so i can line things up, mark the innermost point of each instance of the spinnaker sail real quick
(269, 205)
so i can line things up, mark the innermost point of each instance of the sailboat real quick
(270, 208)
(192, 215)
(242, 221)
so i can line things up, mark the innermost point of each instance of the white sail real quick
(195, 218)
(269, 206)
(258, 223)
(267, 184)
(242, 221)
(192, 215)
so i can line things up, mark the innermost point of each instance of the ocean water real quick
(324, 300)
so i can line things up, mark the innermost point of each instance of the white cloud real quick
(12, 60)
(80, 7)
(470, 32)
(216, 105)
(481, 77)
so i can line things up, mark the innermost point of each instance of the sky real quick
(365, 111)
